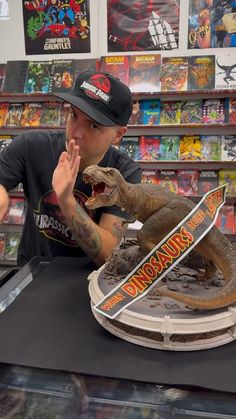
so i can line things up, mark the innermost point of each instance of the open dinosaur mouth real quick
(99, 189)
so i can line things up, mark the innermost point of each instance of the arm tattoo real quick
(86, 236)
(118, 230)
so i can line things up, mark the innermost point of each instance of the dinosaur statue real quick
(160, 211)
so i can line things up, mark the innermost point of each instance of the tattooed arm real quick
(96, 240)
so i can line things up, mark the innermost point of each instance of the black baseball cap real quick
(101, 96)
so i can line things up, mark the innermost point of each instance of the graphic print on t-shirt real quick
(51, 222)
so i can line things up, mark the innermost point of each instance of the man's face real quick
(92, 138)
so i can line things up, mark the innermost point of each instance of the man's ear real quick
(120, 132)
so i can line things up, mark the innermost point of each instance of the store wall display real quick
(56, 26)
(212, 24)
(142, 25)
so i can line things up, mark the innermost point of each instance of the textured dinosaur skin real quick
(160, 211)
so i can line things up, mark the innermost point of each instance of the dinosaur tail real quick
(218, 249)
(223, 298)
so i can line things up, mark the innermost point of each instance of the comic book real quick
(229, 148)
(226, 219)
(39, 77)
(117, 65)
(232, 111)
(191, 111)
(169, 148)
(187, 182)
(16, 211)
(11, 245)
(213, 111)
(225, 71)
(15, 77)
(13, 118)
(135, 117)
(211, 147)
(130, 146)
(170, 112)
(201, 72)
(86, 64)
(3, 68)
(31, 115)
(149, 176)
(144, 73)
(64, 112)
(5, 140)
(2, 244)
(174, 74)
(50, 116)
(207, 180)
(168, 179)
(228, 176)
(190, 147)
(149, 147)
(3, 113)
(62, 76)
(150, 111)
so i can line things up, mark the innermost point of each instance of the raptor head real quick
(104, 186)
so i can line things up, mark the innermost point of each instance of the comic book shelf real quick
(141, 129)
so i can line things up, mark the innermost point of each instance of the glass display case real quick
(27, 393)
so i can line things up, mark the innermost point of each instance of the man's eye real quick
(72, 114)
(94, 126)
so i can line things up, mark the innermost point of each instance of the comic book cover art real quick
(150, 111)
(229, 148)
(226, 219)
(149, 176)
(117, 65)
(142, 25)
(31, 115)
(144, 73)
(135, 117)
(3, 113)
(211, 147)
(3, 67)
(174, 74)
(187, 182)
(213, 111)
(225, 71)
(207, 180)
(191, 111)
(14, 113)
(228, 176)
(50, 116)
(11, 245)
(86, 64)
(190, 147)
(201, 72)
(232, 111)
(56, 27)
(168, 179)
(13, 84)
(149, 147)
(169, 148)
(2, 244)
(5, 140)
(130, 146)
(170, 113)
(64, 112)
(211, 24)
(16, 211)
(62, 76)
(38, 79)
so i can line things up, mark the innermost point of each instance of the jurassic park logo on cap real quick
(97, 87)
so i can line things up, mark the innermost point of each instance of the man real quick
(50, 166)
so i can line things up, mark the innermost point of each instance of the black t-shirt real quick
(31, 159)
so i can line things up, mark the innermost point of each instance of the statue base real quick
(160, 322)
